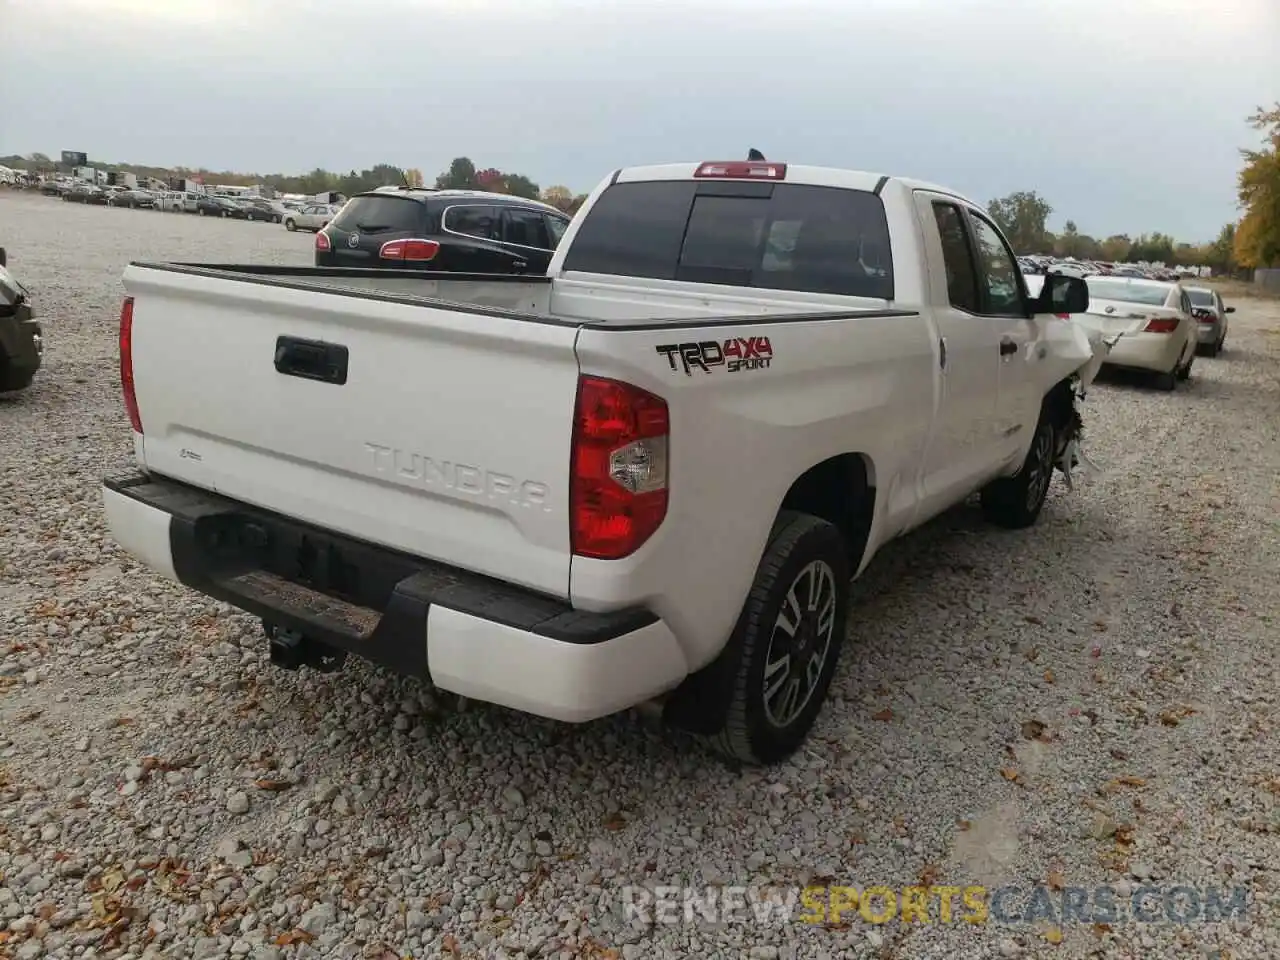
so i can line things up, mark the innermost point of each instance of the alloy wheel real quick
(799, 643)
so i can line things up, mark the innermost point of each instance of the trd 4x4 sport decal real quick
(738, 353)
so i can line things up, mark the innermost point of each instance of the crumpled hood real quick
(11, 291)
(1074, 347)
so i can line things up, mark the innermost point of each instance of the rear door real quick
(962, 444)
(360, 229)
(528, 238)
(471, 241)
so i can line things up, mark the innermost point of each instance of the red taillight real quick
(322, 242)
(742, 170)
(126, 364)
(1161, 325)
(415, 250)
(618, 468)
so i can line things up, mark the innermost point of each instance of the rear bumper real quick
(21, 350)
(1208, 333)
(466, 633)
(1157, 352)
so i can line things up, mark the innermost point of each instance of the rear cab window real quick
(776, 236)
(380, 214)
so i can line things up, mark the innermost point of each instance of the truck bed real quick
(633, 305)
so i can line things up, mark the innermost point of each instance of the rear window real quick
(380, 214)
(774, 236)
(1201, 298)
(1144, 293)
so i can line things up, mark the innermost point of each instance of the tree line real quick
(1257, 239)
(1023, 217)
(1253, 241)
(462, 174)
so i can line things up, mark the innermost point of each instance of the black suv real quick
(460, 231)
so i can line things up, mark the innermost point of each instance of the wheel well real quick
(841, 491)
(1060, 409)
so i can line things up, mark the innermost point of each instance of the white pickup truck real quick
(647, 477)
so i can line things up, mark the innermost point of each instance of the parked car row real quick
(1158, 325)
(1069, 266)
(292, 214)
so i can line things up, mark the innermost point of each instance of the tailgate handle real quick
(311, 359)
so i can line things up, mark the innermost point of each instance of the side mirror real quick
(4, 262)
(1062, 294)
(1229, 309)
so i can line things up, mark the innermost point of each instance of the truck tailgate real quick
(441, 433)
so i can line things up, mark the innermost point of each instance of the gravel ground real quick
(1089, 702)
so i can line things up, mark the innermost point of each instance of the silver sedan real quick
(1211, 318)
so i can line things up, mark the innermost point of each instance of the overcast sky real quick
(1126, 115)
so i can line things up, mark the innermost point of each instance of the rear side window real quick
(780, 236)
(380, 215)
(484, 223)
(556, 226)
(526, 228)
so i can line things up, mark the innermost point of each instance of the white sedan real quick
(1153, 320)
(313, 216)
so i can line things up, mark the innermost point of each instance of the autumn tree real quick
(413, 177)
(1153, 248)
(461, 175)
(1072, 243)
(1115, 249)
(1257, 239)
(559, 197)
(518, 185)
(1021, 217)
(1221, 254)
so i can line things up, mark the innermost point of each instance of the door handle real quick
(1008, 346)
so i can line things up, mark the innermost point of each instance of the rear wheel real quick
(1184, 371)
(200, 210)
(1015, 502)
(787, 641)
(1168, 381)
(290, 225)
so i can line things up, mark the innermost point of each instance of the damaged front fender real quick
(1073, 354)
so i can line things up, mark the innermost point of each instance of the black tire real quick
(290, 225)
(1015, 502)
(1184, 372)
(800, 546)
(276, 220)
(1168, 382)
(200, 210)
